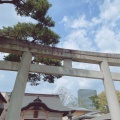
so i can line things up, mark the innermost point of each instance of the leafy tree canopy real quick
(100, 101)
(37, 33)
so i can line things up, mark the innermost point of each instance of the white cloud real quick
(76, 23)
(110, 11)
(87, 66)
(9, 16)
(107, 40)
(81, 22)
(95, 21)
(78, 40)
(71, 83)
(38, 89)
(76, 83)
(65, 19)
(107, 36)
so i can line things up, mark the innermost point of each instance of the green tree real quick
(37, 33)
(100, 101)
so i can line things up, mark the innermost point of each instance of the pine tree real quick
(37, 33)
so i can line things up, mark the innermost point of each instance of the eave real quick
(2, 98)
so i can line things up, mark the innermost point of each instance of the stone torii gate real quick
(27, 50)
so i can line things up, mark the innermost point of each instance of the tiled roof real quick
(87, 116)
(52, 101)
(103, 117)
(80, 109)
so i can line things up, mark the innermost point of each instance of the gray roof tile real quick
(52, 101)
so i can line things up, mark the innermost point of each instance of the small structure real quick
(43, 107)
(78, 112)
(88, 116)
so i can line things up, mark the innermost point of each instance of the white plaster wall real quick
(29, 115)
(55, 116)
(41, 115)
(65, 118)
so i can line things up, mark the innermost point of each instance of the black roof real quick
(2, 98)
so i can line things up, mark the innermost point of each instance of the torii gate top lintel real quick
(18, 47)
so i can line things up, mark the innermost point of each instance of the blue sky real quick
(90, 25)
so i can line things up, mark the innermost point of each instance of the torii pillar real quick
(16, 98)
(111, 96)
